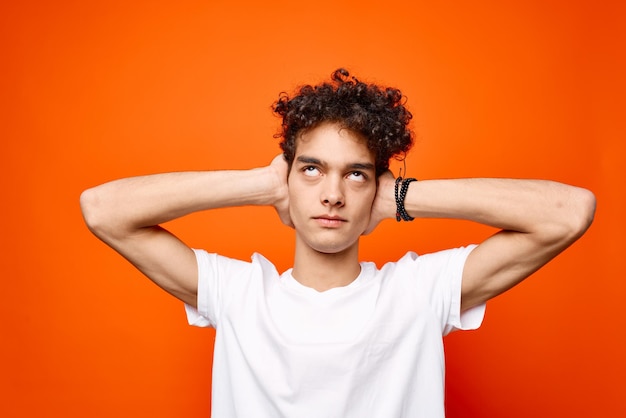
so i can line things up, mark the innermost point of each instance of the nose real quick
(332, 192)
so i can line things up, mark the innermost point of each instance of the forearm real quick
(130, 204)
(528, 206)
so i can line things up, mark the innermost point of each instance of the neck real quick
(322, 271)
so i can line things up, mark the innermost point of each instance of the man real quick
(335, 337)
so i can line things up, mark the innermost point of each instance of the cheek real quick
(365, 205)
(297, 202)
(368, 198)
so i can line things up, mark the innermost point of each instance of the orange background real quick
(93, 91)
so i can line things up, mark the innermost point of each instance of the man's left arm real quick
(537, 220)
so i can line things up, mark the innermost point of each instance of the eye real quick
(357, 176)
(310, 170)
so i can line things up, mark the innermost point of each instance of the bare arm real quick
(126, 214)
(538, 219)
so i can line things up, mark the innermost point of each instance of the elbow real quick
(573, 216)
(92, 209)
(584, 204)
(105, 214)
(579, 214)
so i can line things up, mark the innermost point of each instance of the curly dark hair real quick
(377, 113)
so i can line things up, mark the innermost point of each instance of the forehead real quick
(331, 142)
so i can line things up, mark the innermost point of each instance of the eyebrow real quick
(362, 166)
(311, 160)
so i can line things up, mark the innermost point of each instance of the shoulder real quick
(223, 280)
(222, 267)
(437, 270)
(437, 261)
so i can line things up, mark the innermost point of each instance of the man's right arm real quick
(126, 215)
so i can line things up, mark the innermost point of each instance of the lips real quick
(329, 221)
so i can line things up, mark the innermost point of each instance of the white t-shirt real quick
(370, 349)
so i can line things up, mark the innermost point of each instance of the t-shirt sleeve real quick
(216, 277)
(471, 318)
(441, 275)
(200, 316)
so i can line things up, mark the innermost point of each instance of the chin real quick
(329, 242)
(333, 247)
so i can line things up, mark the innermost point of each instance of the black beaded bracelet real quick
(400, 192)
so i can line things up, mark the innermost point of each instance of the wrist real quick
(264, 185)
(401, 188)
(275, 176)
(386, 196)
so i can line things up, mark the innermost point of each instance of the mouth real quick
(329, 221)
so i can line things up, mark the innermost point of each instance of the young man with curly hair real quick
(335, 337)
